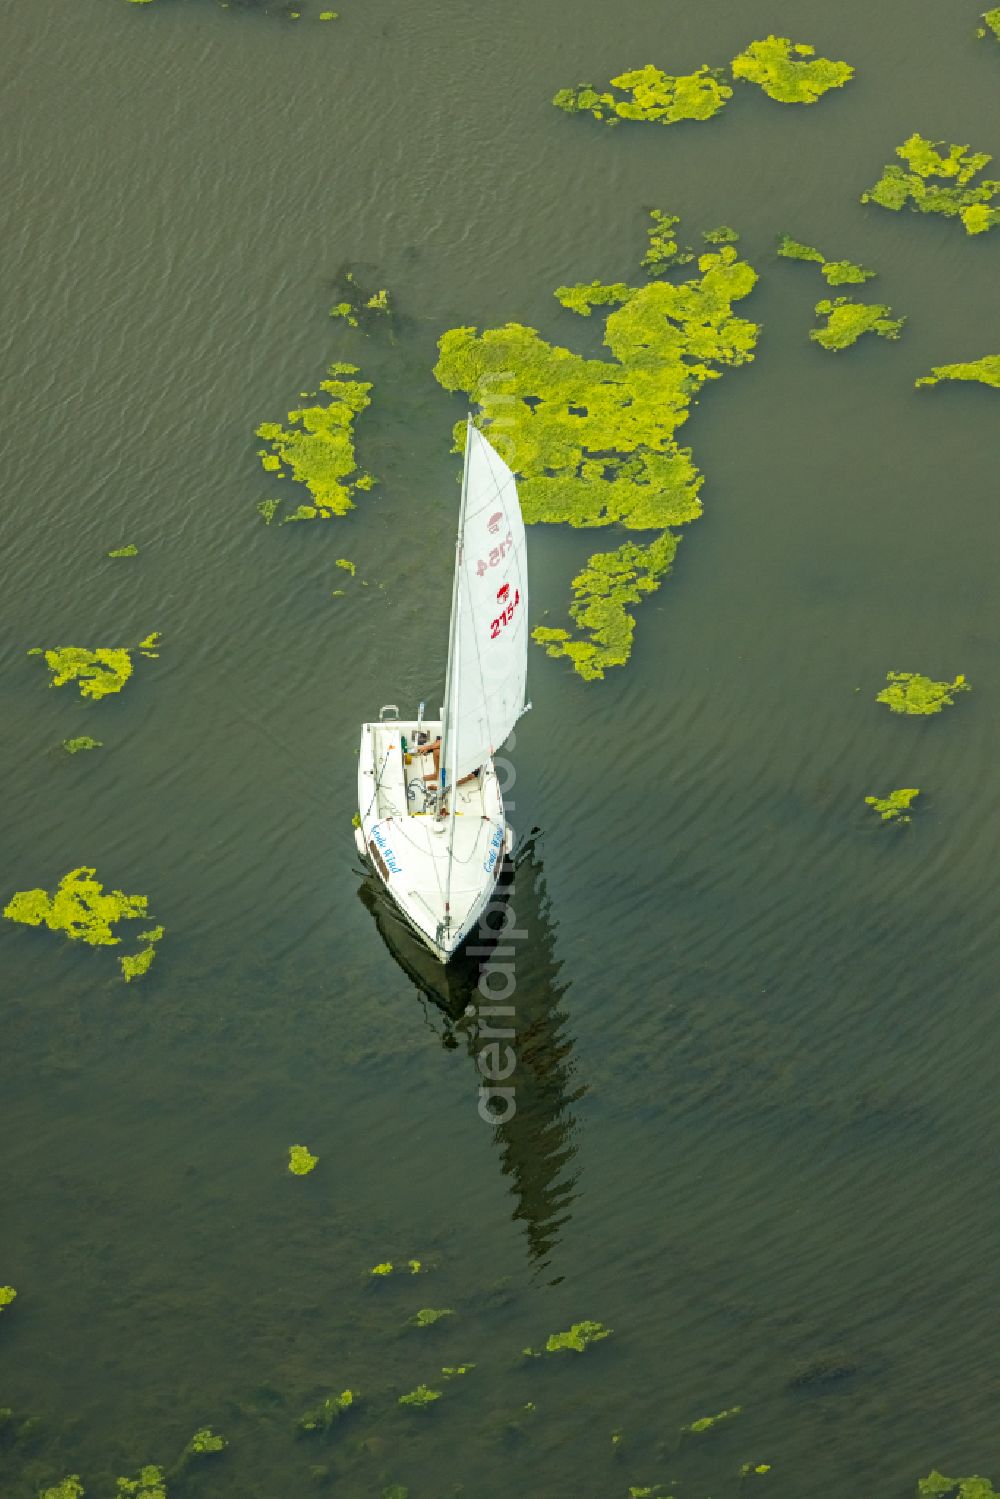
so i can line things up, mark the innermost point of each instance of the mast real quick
(452, 676)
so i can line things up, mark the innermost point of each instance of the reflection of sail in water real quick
(536, 1142)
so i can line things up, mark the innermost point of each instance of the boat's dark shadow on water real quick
(536, 1143)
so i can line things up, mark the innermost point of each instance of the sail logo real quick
(507, 611)
(496, 554)
(495, 522)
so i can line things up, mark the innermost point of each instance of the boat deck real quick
(405, 783)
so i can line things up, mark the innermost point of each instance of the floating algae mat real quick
(593, 441)
(847, 320)
(985, 370)
(895, 806)
(100, 672)
(576, 1339)
(301, 1160)
(939, 183)
(834, 272)
(82, 742)
(787, 71)
(790, 72)
(957, 1488)
(992, 19)
(82, 909)
(651, 95)
(707, 1423)
(664, 252)
(317, 448)
(909, 692)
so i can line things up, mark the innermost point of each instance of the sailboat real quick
(431, 817)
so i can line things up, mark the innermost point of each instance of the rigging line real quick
(378, 781)
(424, 851)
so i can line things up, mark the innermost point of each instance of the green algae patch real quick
(593, 441)
(979, 217)
(452, 1371)
(602, 595)
(150, 646)
(651, 95)
(908, 692)
(992, 19)
(80, 908)
(706, 1423)
(663, 251)
(583, 299)
(895, 806)
(386, 1267)
(267, 510)
(347, 565)
(205, 1443)
(790, 72)
(85, 912)
(82, 742)
(845, 273)
(847, 320)
(356, 305)
(985, 370)
(939, 181)
(7, 1295)
(317, 446)
(128, 551)
(69, 1488)
(134, 965)
(721, 236)
(99, 672)
(149, 1483)
(747, 1470)
(577, 1339)
(793, 249)
(428, 1315)
(835, 272)
(300, 1162)
(420, 1397)
(328, 1412)
(968, 1488)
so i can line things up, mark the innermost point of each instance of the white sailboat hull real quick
(405, 842)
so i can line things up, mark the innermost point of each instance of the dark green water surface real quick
(759, 1072)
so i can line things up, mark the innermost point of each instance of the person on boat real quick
(427, 746)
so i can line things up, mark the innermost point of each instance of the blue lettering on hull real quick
(386, 850)
(493, 850)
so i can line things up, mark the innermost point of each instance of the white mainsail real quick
(488, 660)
